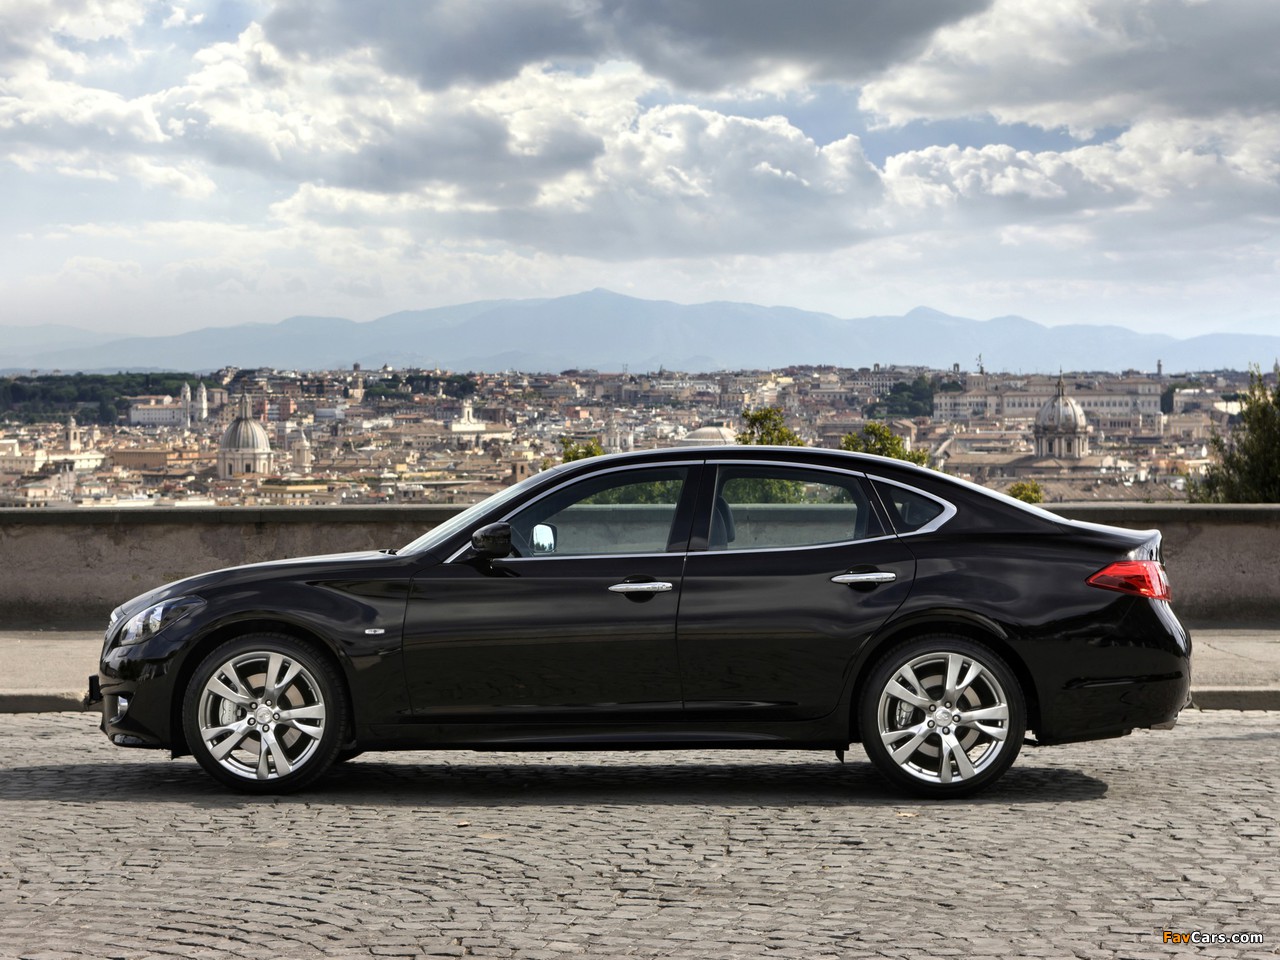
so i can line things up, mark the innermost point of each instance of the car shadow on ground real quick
(384, 780)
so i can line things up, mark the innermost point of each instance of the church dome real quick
(245, 434)
(1061, 429)
(1061, 414)
(713, 434)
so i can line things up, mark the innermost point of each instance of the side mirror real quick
(544, 538)
(492, 541)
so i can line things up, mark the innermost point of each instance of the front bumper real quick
(115, 723)
(134, 688)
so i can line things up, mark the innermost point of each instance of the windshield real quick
(437, 535)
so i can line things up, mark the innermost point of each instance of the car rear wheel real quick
(265, 713)
(942, 716)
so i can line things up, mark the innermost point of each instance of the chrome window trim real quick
(948, 508)
(803, 546)
(567, 483)
(593, 556)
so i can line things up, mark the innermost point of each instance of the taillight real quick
(1142, 578)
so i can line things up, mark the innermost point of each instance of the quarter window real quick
(909, 510)
(766, 507)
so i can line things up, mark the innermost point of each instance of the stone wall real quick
(68, 568)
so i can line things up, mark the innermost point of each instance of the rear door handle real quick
(648, 586)
(874, 576)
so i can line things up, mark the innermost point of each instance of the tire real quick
(230, 712)
(909, 709)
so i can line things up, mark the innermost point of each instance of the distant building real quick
(158, 411)
(245, 449)
(300, 453)
(1061, 429)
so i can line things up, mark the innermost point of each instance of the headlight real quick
(146, 624)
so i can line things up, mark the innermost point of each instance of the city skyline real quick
(176, 165)
(375, 436)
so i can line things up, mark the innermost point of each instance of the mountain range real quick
(611, 332)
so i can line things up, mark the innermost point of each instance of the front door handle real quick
(647, 586)
(873, 576)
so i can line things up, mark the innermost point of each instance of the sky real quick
(179, 164)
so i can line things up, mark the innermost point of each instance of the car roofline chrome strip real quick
(845, 471)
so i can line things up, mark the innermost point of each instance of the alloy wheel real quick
(946, 719)
(261, 716)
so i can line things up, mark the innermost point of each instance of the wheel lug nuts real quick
(946, 729)
(956, 718)
(276, 716)
(930, 724)
(252, 721)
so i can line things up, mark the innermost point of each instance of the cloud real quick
(717, 44)
(439, 43)
(686, 181)
(681, 181)
(706, 46)
(1091, 64)
(344, 123)
(306, 155)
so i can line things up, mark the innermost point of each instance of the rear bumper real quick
(1137, 677)
(1096, 710)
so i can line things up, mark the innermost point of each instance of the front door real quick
(578, 624)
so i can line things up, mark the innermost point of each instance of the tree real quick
(879, 439)
(1248, 461)
(767, 426)
(573, 450)
(1028, 491)
(913, 399)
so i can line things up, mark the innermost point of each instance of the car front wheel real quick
(265, 713)
(942, 716)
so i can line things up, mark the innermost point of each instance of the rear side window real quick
(911, 511)
(771, 507)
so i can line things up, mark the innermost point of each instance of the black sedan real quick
(714, 597)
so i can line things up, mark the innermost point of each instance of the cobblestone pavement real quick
(1088, 850)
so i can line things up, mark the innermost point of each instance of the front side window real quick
(628, 511)
(767, 507)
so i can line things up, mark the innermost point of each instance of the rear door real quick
(790, 571)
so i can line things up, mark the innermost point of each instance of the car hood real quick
(265, 570)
